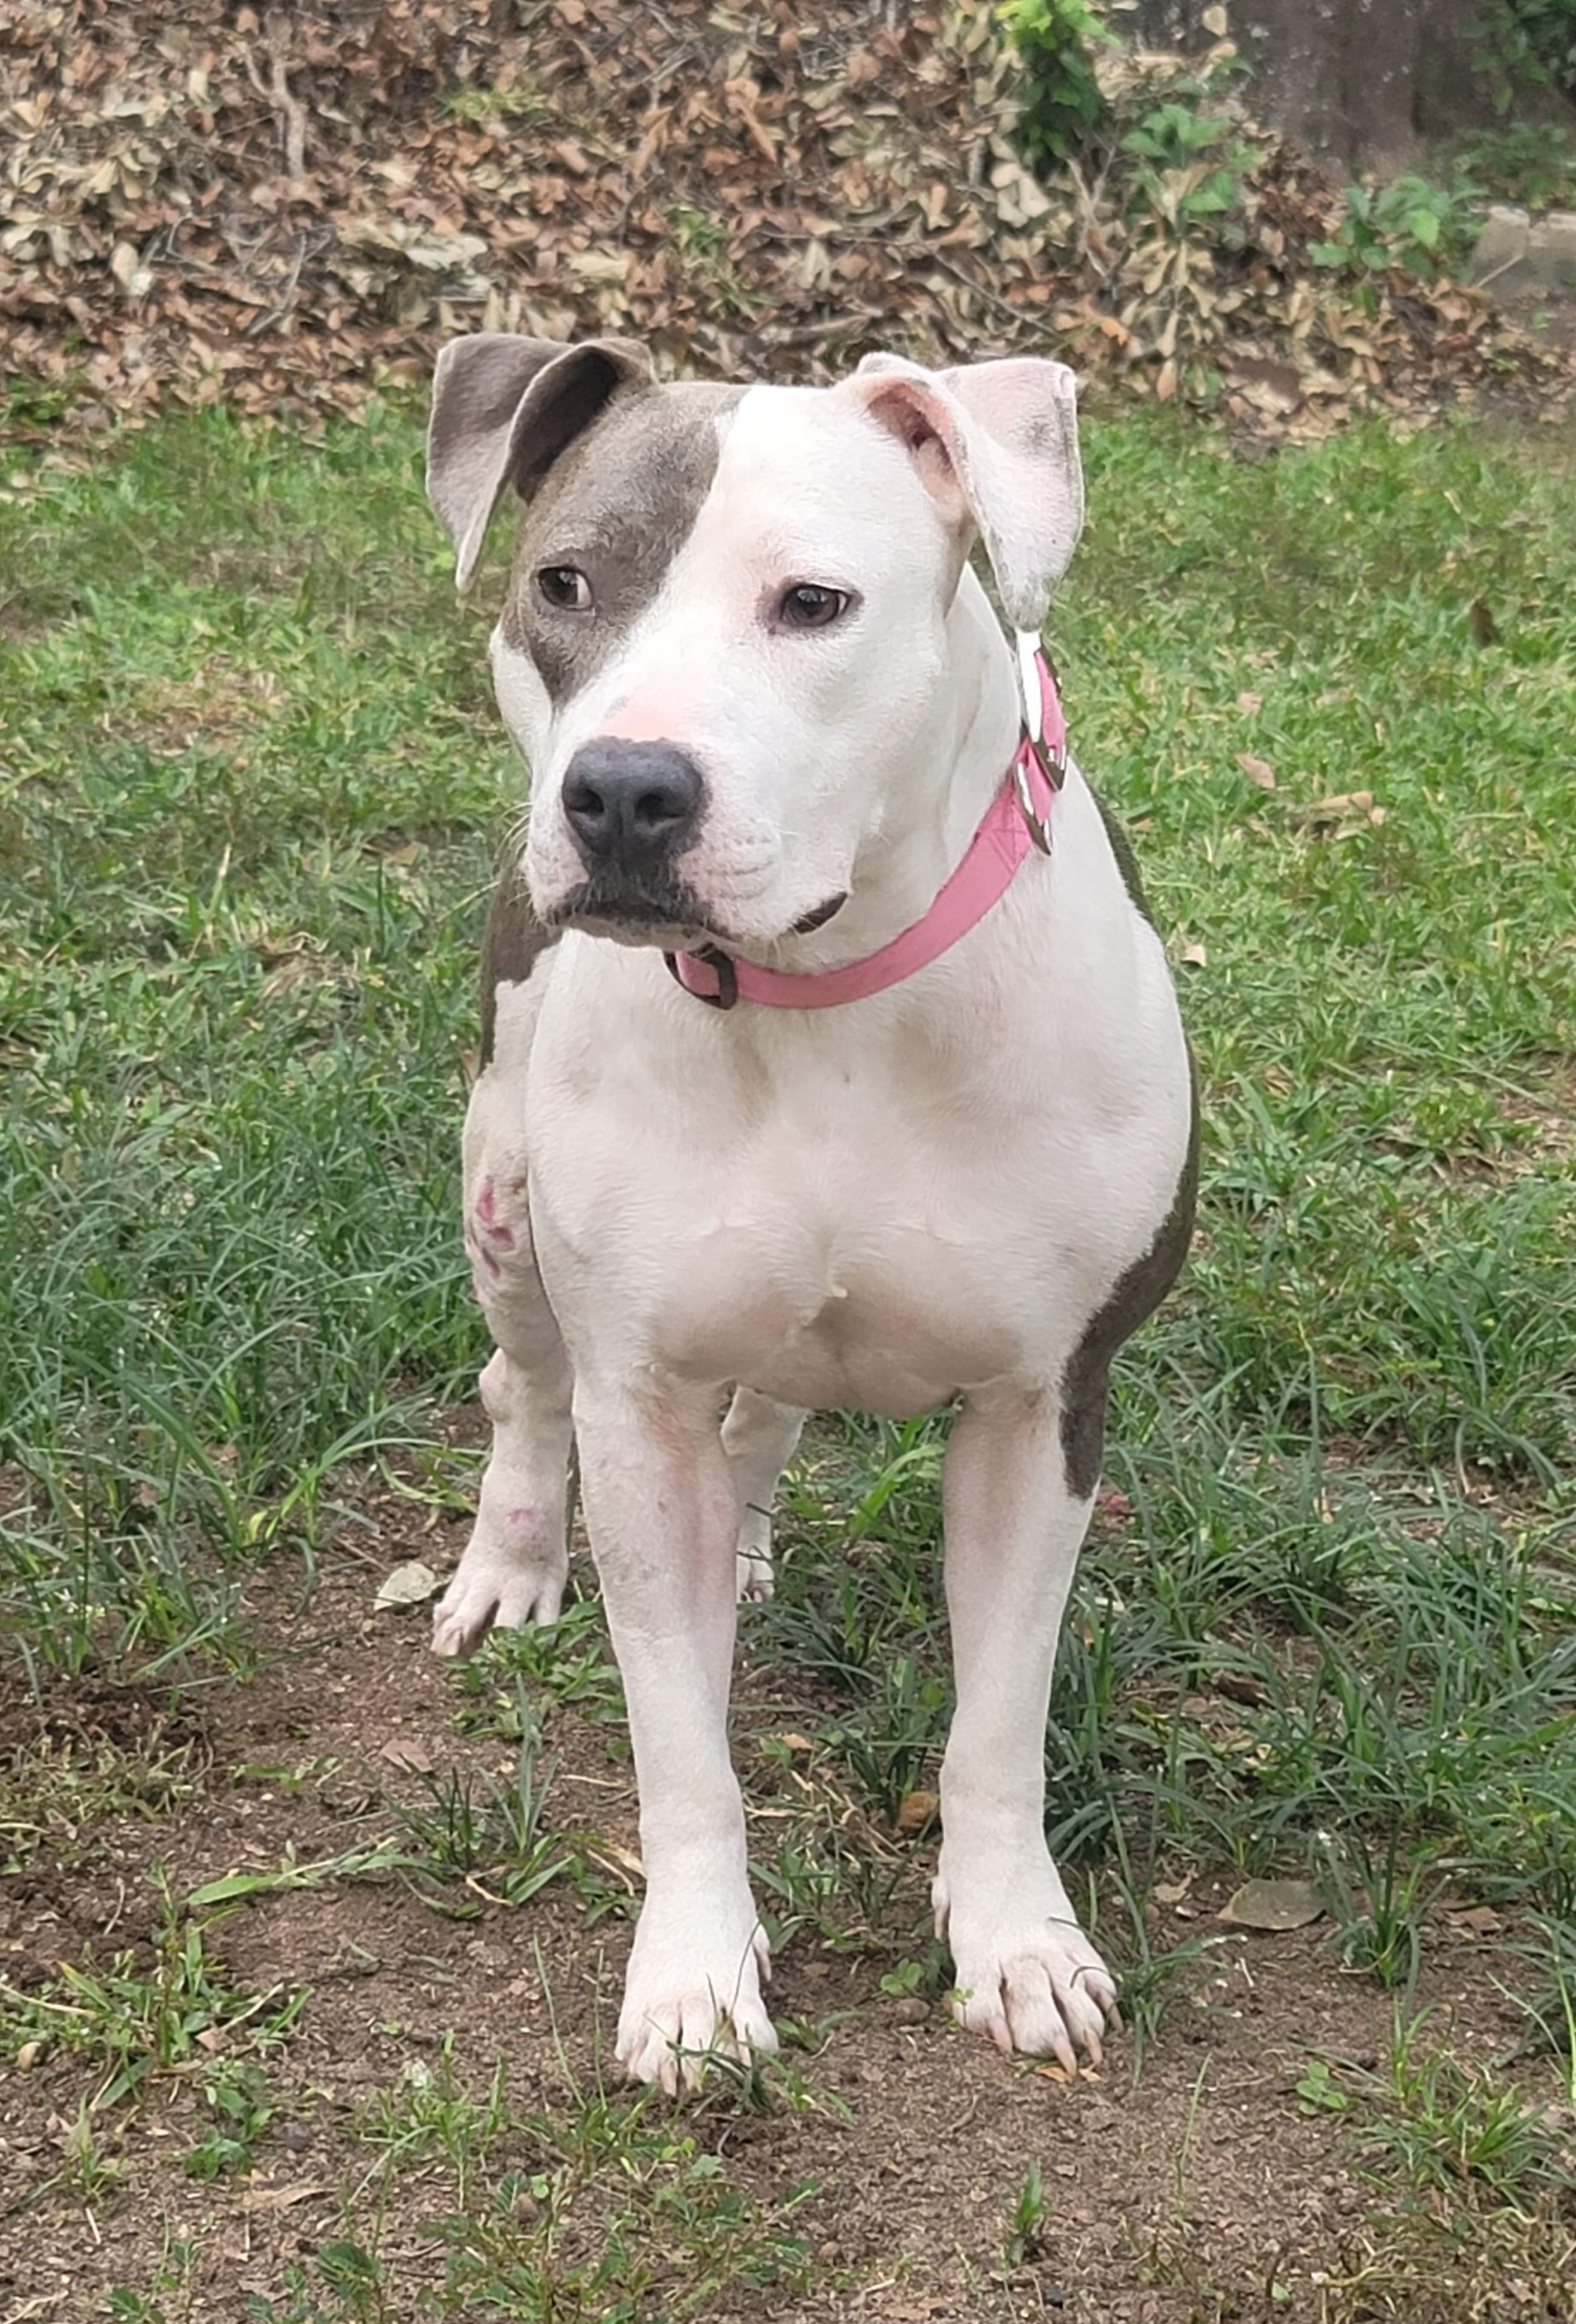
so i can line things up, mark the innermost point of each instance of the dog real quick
(830, 1058)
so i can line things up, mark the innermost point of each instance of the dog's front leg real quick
(1026, 1974)
(662, 1510)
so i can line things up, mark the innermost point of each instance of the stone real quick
(1520, 257)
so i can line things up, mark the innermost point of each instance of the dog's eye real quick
(809, 606)
(564, 586)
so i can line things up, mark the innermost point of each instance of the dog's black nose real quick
(630, 803)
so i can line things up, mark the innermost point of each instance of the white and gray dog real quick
(830, 1059)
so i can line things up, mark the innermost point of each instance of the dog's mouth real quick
(664, 912)
(819, 918)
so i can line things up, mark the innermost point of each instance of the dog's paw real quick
(1028, 1976)
(694, 1994)
(493, 1590)
(753, 1570)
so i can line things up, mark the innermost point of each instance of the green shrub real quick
(1531, 40)
(1191, 164)
(1062, 102)
(1533, 162)
(1429, 229)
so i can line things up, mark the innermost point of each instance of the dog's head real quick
(726, 628)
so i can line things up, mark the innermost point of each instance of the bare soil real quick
(1202, 2189)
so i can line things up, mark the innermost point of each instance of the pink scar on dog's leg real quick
(491, 1225)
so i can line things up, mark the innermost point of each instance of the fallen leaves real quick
(293, 209)
(1342, 815)
(255, 2200)
(1258, 770)
(1476, 1923)
(1274, 1906)
(410, 1585)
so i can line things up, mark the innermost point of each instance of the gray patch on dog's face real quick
(618, 505)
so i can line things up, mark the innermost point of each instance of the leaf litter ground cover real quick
(309, 1948)
(284, 208)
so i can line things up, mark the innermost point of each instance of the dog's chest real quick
(880, 1211)
(864, 1252)
(827, 1284)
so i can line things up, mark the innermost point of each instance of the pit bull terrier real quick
(830, 1059)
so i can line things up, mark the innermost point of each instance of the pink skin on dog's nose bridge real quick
(658, 712)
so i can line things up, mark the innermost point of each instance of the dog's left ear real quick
(995, 444)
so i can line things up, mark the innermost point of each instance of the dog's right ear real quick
(503, 407)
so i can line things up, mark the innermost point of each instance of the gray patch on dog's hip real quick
(1136, 1295)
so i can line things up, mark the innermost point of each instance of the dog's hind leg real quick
(759, 1437)
(516, 1562)
(1026, 1973)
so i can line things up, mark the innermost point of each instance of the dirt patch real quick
(1203, 2189)
(79, 1752)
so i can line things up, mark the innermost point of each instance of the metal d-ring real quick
(1039, 829)
(722, 967)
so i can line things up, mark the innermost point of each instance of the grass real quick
(248, 787)
(58, 1786)
(163, 2010)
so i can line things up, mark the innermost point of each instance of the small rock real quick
(910, 2010)
(1519, 256)
(297, 2137)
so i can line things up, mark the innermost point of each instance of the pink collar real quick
(1018, 818)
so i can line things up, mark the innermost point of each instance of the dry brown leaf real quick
(1274, 1906)
(1339, 803)
(1475, 1920)
(916, 1810)
(409, 1585)
(1258, 770)
(254, 2199)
